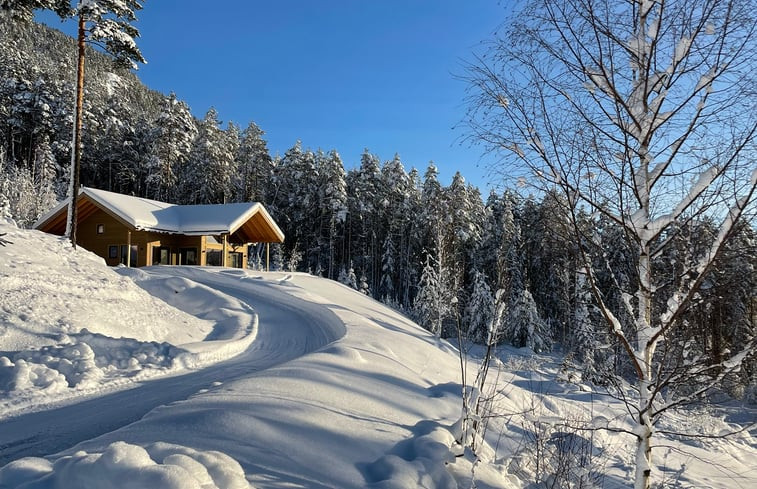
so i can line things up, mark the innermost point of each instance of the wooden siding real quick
(259, 228)
(85, 209)
(115, 233)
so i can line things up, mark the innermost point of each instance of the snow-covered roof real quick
(151, 215)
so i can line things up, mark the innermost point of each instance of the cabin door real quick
(161, 255)
(187, 256)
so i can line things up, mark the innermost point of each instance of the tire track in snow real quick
(289, 327)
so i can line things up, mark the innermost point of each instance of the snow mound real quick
(70, 325)
(48, 289)
(80, 361)
(122, 465)
(419, 461)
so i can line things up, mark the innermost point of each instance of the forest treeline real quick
(446, 255)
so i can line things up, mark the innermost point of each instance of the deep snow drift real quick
(336, 390)
(70, 325)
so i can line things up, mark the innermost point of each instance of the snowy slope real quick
(336, 390)
(69, 325)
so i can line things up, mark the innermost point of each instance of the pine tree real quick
(433, 304)
(332, 202)
(295, 201)
(386, 289)
(349, 278)
(366, 208)
(108, 24)
(524, 327)
(403, 227)
(45, 173)
(363, 286)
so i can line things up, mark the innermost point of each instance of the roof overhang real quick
(54, 221)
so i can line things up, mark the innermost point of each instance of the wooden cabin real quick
(137, 232)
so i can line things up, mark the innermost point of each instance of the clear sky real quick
(343, 74)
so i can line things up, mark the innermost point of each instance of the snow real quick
(682, 49)
(122, 465)
(70, 325)
(331, 389)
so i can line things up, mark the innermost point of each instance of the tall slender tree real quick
(210, 168)
(106, 23)
(175, 129)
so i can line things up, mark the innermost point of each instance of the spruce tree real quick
(207, 179)
(175, 130)
(254, 166)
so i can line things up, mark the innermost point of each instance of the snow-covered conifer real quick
(479, 312)
(433, 304)
(524, 327)
(209, 171)
(254, 166)
(175, 131)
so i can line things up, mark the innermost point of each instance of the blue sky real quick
(344, 74)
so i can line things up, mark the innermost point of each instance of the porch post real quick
(225, 249)
(128, 248)
(267, 256)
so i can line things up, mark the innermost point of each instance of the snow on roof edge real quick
(99, 196)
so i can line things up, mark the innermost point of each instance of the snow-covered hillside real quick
(69, 325)
(283, 380)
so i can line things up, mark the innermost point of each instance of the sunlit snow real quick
(189, 377)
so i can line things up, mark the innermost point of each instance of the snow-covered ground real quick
(183, 377)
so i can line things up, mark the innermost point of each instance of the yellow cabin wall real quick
(115, 233)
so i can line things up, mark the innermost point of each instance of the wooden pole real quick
(267, 257)
(225, 249)
(128, 248)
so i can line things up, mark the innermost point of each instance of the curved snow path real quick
(289, 327)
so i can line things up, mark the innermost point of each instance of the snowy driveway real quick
(289, 327)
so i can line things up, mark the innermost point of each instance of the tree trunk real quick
(76, 140)
(643, 442)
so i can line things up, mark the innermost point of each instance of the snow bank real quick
(80, 361)
(48, 289)
(122, 466)
(234, 322)
(69, 325)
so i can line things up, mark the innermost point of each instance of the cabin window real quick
(161, 255)
(235, 259)
(214, 258)
(132, 258)
(100, 228)
(113, 251)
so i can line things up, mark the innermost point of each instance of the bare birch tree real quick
(642, 112)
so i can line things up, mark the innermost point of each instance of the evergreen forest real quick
(446, 255)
